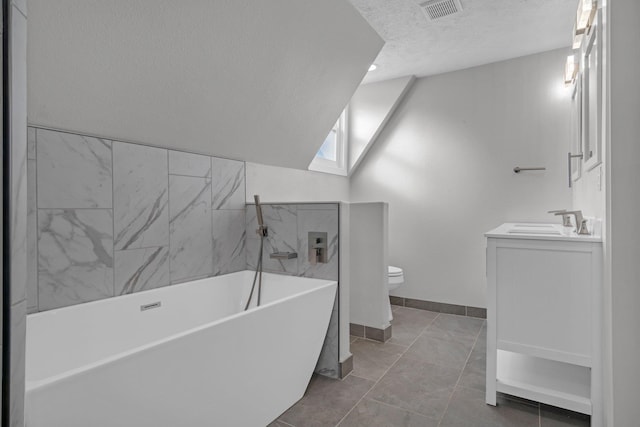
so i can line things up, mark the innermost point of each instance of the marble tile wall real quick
(108, 218)
(288, 230)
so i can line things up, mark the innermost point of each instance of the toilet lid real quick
(394, 271)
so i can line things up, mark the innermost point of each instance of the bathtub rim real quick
(139, 293)
(31, 385)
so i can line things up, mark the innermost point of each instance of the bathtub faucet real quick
(262, 229)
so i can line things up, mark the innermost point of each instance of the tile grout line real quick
(37, 230)
(385, 373)
(402, 409)
(113, 221)
(444, 413)
(539, 415)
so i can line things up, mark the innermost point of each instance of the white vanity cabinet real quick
(544, 294)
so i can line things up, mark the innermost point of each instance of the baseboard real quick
(375, 334)
(346, 366)
(440, 307)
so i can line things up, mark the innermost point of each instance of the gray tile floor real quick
(431, 373)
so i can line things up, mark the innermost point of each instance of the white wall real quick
(345, 280)
(623, 207)
(277, 184)
(588, 192)
(368, 236)
(445, 165)
(234, 79)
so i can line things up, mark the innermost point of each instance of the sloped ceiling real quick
(250, 80)
(370, 109)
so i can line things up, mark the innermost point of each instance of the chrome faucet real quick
(566, 220)
(581, 222)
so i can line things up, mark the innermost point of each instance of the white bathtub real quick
(197, 360)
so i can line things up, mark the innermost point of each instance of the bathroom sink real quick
(543, 229)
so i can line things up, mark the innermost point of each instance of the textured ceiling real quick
(486, 31)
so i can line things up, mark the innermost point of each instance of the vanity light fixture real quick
(584, 16)
(372, 67)
(570, 70)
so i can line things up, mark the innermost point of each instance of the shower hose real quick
(257, 276)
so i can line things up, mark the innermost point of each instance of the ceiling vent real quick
(436, 9)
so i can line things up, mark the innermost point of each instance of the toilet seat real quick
(394, 271)
(395, 278)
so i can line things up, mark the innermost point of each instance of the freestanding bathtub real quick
(183, 355)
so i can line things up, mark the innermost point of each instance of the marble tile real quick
(228, 227)
(281, 222)
(31, 143)
(188, 164)
(140, 196)
(190, 236)
(141, 269)
(326, 401)
(369, 413)
(32, 238)
(371, 359)
(19, 210)
(75, 256)
(468, 408)
(448, 353)
(329, 359)
(450, 327)
(74, 171)
(228, 184)
(320, 220)
(417, 386)
(318, 206)
(18, 342)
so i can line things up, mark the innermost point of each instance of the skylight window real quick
(331, 157)
(328, 150)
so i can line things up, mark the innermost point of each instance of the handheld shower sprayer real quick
(262, 229)
(262, 232)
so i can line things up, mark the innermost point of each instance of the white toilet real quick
(396, 278)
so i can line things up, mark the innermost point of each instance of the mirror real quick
(576, 127)
(592, 95)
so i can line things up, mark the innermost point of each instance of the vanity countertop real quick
(542, 231)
